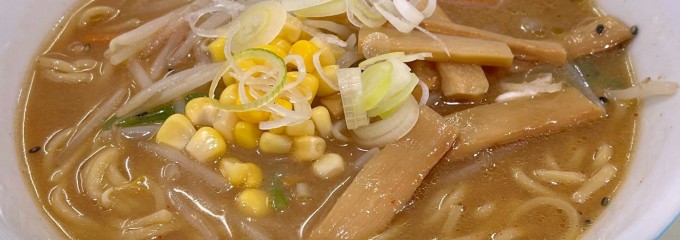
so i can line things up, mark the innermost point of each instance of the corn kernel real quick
(305, 36)
(272, 143)
(201, 111)
(206, 144)
(285, 104)
(274, 49)
(322, 121)
(309, 85)
(291, 29)
(331, 72)
(247, 135)
(278, 130)
(253, 116)
(175, 132)
(244, 65)
(216, 49)
(326, 57)
(281, 43)
(305, 128)
(337, 51)
(308, 148)
(306, 50)
(248, 175)
(229, 94)
(225, 124)
(328, 166)
(253, 202)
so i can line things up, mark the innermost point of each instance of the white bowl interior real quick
(649, 201)
(645, 205)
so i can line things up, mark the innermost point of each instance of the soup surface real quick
(520, 190)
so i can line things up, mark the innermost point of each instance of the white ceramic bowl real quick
(645, 205)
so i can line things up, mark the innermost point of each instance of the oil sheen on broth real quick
(485, 186)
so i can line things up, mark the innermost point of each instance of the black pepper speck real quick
(34, 149)
(605, 201)
(599, 29)
(604, 100)
(634, 30)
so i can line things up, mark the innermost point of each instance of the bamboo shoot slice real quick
(334, 105)
(546, 51)
(465, 82)
(586, 40)
(387, 182)
(461, 49)
(502, 123)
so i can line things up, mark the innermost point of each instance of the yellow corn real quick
(272, 143)
(331, 72)
(253, 202)
(216, 49)
(322, 121)
(306, 50)
(291, 29)
(253, 116)
(305, 128)
(276, 50)
(247, 135)
(309, 85)
(201, 111)
(328, 166)
(285, 104)
(206, 144)
(337, 51)
(305, 36)
(281, 43)
(248, 175)
(308, 148)
(229, 94)
(244, 65)
(225, 124)
(326, 57)
(175, 132)
(278, 130)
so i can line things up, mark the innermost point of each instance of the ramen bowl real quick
(644, 206)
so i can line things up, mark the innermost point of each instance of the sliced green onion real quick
(389, 113)
(390, 12)
(153, 116)
(329, 8)
(380, 58)
(191, 96)
(279, 200)
(401, 56)
(259, 25)
(367, 14)
(322, 73)
(349, 81)
(401, 76)
(278, 68)
(408, 11)
(292, 5)
(376, 81)
(391, 129)
(389, 103)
